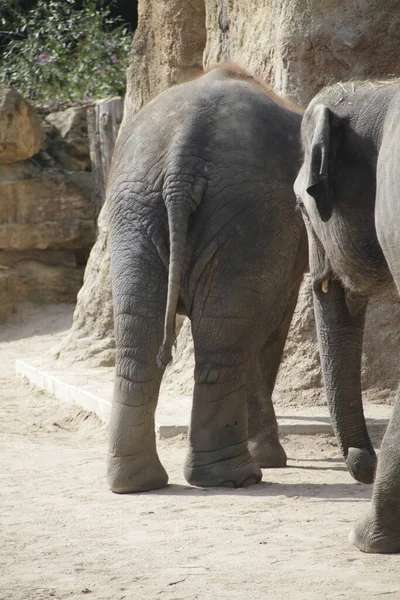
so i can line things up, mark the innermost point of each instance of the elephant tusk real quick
(325, 286)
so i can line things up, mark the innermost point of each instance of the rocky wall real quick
(47, 219)
(299, 46)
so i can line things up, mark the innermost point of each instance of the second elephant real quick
(348, 189)
(203, 223)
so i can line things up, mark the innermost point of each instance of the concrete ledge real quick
(64, 391)
(168, 431)
(291, 423)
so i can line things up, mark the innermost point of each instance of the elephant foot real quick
(131, 474)
(239, 471)
(367, 536)
(267, 454)
(361, 464)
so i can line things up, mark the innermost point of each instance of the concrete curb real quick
(65, 392)
(62, 390)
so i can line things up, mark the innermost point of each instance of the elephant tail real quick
(178, 211)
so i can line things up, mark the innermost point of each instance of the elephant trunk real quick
(340, 336)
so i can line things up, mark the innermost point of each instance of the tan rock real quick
(42, 208)
(167, 48)
(380, 365)
(299, 46)
(37, 276)
(67, 138)
(91, 337)
(21, 133)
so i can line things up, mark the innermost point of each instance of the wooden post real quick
(103, 119)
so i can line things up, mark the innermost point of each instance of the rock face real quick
(91, 337)
(298, 47)
(42, 277)
(47, 219)
(21, 132)
(67, 138)
(167, 48)
(300, 382)
(42, 208)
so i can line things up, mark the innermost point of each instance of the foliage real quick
(59, 50)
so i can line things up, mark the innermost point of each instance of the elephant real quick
(203, 223)
(348, 189)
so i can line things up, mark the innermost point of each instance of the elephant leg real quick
(264, 444)
(378, 531)
(139, 289)
(218, 453)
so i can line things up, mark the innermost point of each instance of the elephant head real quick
(335, 191)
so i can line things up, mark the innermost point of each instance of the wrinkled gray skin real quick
(203, 223)
(349, 191)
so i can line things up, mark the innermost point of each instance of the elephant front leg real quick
(378, 531)
(218, 453)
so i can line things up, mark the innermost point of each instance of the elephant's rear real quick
(195, 164)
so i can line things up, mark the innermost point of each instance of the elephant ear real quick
(324, 145)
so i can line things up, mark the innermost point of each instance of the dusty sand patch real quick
(63, 535)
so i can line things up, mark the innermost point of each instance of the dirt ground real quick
(64, 535)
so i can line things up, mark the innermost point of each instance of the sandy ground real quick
(64, 535)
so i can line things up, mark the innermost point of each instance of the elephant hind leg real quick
(264, 444)
(133, 463)
(218, 453)
(139, 303)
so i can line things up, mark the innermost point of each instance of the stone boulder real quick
(91, 337)
(47, 217)
(299, 380)
(67, 138)
(43, 208)
(21, 133)
(380, 372)
(167, 48)
(299, 46)
(38, 276)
